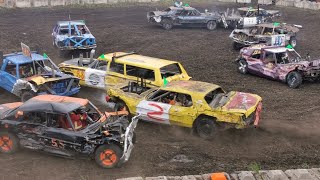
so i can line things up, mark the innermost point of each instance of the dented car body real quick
(70, 35)
(184, 16)
(193, 104)
(26, 77)
(120, 67)
(245, 17)
(46, 123)
(278, 63)
(273, 34)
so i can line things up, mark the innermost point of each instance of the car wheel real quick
(9, 143)
(206, 127)
(211, 25)
(294, 79)
(167, 24)
(26, 95)
(243, 66)
(108, 156)
(293, 41)
(237, 46)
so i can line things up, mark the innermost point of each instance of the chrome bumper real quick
(128, 144)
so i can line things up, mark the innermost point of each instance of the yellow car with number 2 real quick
(203, 106)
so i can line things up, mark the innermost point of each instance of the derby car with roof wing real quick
(202, 106)
(278, 63)
(28, 76)
(184, 16)
(70, 35)
(67, 127)
(120, 67)
(272, 34)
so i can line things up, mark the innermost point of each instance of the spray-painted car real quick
(246, 17)
(28, 76)
(46, 123)
(184, 16)
(273, 34)
(120, 67)
(202, 106)
(69, 35)
(279, 63)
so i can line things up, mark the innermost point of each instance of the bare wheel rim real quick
(242, 67)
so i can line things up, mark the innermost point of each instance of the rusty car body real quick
(44, 123)
(273, 34)
(199, 105)
(278, 63)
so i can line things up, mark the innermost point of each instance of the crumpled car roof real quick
(53, 104)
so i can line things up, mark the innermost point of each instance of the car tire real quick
(293, 41)
(211, 25)
(243, 66)
(294, 79)
(26, 95)
(206, 127)
(167, 24)
(237, 46)
(108, 156)
(9, 143)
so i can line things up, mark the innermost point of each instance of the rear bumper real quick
(128, 143)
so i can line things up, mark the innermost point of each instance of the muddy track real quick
(288, 137)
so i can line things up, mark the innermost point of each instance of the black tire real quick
(237, 46)
(293, 41)
(108, 156)
(294, 79)
(211, 25)
(205, 127)
(243, 66)
(167, 24)
(9, 143)
(26, 95)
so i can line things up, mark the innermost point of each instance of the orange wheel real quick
(8, 143)
(108, 156)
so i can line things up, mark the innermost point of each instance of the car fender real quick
(21, 85)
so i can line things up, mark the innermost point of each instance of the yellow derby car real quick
(203, 106)
(114, 68)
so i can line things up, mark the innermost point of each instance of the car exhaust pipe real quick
(92, 52)
(80, 62)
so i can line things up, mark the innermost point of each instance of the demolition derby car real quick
(114, 68)
(247, 16)
(202, 106)
(183, 16)
(68, 127)
(29, 75)
(273, 34)
(279, 63)
(70, 35)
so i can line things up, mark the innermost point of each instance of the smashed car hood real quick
(240, 102)
(40, 79)
(160, 13)
(272, 11)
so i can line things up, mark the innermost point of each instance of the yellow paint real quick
(185, 116)
(114, 78)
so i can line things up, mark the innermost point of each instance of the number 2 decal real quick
(154, 114)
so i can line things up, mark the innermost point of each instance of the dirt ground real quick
(288, 133)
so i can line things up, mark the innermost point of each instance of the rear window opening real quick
(137, 87)
(170, 70)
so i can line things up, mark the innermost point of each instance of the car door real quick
(31, 129)
(254, 61)
(115, 74)
(95, 76)
(269, 65)
(8, 76)
(181, 17)
(193, 17)
(58, 139)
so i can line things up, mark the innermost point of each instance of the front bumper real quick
(78, 47)
(128, 143)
